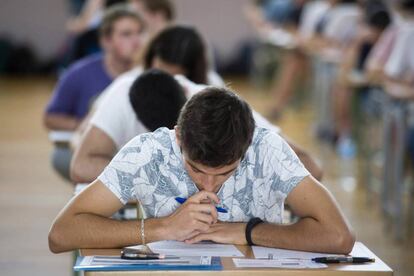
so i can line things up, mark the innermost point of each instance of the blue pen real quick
(181, 200)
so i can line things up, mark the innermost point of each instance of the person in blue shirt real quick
(79, 86)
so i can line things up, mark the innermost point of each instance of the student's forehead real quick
(212, 170)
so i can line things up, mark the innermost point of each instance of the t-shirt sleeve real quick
(110, 112)
(395, 65)
(124, 168)
(64, 97)
(284, 170)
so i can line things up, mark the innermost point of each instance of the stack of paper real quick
(287, 263)
(177, 248)
(115, 263)
(276, 254)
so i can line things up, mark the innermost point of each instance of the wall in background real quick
(41, 23)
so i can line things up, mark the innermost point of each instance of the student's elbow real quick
(77, 171)
(345, 241)
(47, 121)
(56, 239)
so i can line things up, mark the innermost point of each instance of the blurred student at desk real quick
(178, 50)
(74, 94)
(215, 156)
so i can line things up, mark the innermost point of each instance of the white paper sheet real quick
(287, 263)
(177, 248)
(276, 254)
(60, 136)
(263, 253)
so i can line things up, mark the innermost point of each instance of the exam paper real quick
(287, 263)
(177, 248)
(276, 254)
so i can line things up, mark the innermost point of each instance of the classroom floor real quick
(31, 194)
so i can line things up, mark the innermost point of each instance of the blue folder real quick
(108, 263)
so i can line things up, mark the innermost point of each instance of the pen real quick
(181, 200)
(337, 260)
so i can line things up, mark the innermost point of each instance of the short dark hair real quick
(157, 98)
(215, 127)
(115, 13)
(376, 14)
(163, 6)
(183, 46)
(407, 5)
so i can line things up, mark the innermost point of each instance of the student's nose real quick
(209, 182)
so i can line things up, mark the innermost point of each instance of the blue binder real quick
(115, 263)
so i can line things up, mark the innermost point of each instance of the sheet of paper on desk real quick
(276, 254)
(287, 263)
(177, 248)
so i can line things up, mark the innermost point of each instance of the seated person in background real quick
(215, 155)
(86, 79)
(177, 50)
(375, 21)
(157, 14)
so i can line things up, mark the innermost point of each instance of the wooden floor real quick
(31, 194)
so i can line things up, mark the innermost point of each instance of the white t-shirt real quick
(311, 15)
(342, 23)
(115, 116)
(400, 64)
(150, 169)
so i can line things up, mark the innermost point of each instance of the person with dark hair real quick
(179, 50)
(157, 98)
(214, 157)
(114, 121)
(157, 14)
(74, 93)
(376, 19)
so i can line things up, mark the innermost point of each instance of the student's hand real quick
(193, 217)
(223, 232)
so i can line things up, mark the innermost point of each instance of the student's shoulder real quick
(156, 139)
(121, 85)
(85, 64)
(264, 137)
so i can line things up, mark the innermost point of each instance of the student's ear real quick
(177, 135)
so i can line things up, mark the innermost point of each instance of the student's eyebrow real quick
(197, 169)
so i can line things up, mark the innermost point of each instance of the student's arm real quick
(85, 222)
(95, 151)
(55, 121)
(321, 227)
(310, 164)
(60, 111)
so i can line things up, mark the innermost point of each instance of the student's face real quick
(172, 69)
(206, 178)
(125, 40)
(154, 21)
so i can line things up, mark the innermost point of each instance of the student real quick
(115, 122)
(215, 154)
(177, 50)
(120, 38)
(376, 20)
(157, 14)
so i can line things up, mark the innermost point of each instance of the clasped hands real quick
(197, 220)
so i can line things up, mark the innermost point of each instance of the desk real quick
(377, 268)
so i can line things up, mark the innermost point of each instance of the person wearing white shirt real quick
(115, 122)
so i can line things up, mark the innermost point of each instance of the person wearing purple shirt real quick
(120, 37)
(75, 91)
